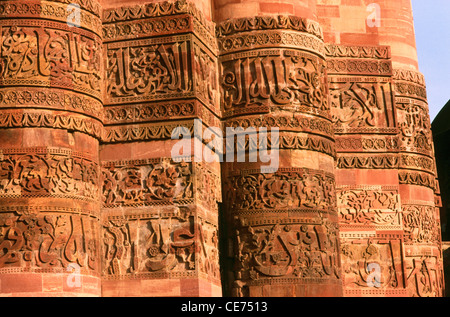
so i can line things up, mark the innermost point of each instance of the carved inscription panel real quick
(361, 105)
(49, 241)
(415, 126)
(47, 172)
(287, 188)
(273, 77)
(159, 242)
(373, 266)
(369, 207)
(286, 250)
(146, 70)
(45, 53)
(146, 182)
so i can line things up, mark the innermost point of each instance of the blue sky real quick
(432, 26)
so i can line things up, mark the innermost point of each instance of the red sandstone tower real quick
(284, 224)
(95, 96)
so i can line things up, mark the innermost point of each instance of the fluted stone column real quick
(419, 188)
(386, 181)
(283, 237)
(51, 121)
(160, 211)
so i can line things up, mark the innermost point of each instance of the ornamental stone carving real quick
(94, 94)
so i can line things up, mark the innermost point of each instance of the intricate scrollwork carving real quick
(49, 173)
(287, 188)
(146, 182)
(368, 207)
(421, 224)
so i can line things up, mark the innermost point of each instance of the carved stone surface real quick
(91, 93)
(164, 242)
(286, 189)
(373, 266)
(146, 183)
(369, 207)
(48, 242)
(281, 78)
(285, 253)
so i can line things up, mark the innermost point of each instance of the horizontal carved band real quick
(374, 52)
(55, 98)
(409, 161)
(359, 67)
(366, 130)
(150, 112)
(52, 11)
(261, 217)
(294, 141)
(92, 6)
(364, 143)
(86, 208)
(147, 182)
(410, 76)
(389, 162)
(47, 119)
(281, 22)
(143, 132)
(287, 188)
(417, 178)
(158, 9)
(384, 235)
(158, 26)
(329, 281)
(284, 123)
(160, 111)
(286, 39)
(289, 141)
(148, 28)
(409, 89)
(62, 174)
(367, 162)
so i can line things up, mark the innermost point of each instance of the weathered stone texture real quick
(93, 203)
